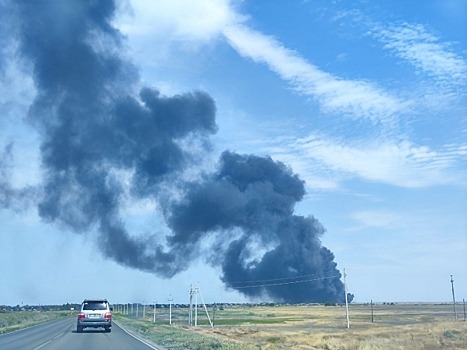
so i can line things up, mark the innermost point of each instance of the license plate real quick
(94, 316)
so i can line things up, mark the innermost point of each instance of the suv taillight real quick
(81, 315)
(108, 315)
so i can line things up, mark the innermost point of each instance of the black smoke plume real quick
(255, 196)
(94, 127)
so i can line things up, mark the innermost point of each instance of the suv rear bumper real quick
(95, 324)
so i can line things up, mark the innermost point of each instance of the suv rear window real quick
(95, 305)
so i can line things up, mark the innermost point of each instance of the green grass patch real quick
(176, 337)
(452, 334)
(274, 340)
(251, 321)
(14, 320)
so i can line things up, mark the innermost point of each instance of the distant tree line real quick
(63, 307)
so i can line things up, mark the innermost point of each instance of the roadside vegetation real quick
(12, 320)
(391, 326)
(267, 327)
(179, 337)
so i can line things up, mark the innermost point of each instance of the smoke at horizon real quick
(93, 125)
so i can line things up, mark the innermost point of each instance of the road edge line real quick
(152, 346)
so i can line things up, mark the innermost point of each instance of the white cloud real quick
(375, 219)
(397, 163)
(425, 51)
(357, 98)
(194, 24)
(316, 176)
(323, 162)
(177, 19)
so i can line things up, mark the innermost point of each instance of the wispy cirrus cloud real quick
(397, 163)
(184, 21)
(426, 52)
(389, 160)
(414, 43)
(355, 98)
(323, 159)
(375, 219)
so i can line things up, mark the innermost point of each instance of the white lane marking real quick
(41, 346)
(139, 339)
(58, 336)
(47, 342)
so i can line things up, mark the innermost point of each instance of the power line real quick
(274, 279)
(286, 283)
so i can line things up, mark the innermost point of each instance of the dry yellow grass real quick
(400, 326)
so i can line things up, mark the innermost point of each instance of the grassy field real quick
(395, 326)
(13, 320)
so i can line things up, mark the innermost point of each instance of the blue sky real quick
(365, 101)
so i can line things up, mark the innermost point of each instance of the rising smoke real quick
(94, 126)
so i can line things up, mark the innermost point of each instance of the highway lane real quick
(61, 334)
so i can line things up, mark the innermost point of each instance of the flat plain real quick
(389, 326)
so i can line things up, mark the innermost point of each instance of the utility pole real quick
(195, 291)
(190, 315)
(196, 305)
(214, 307)
(372, 317)
(453, 298)
(463, 302)
(346, 301)
(170, 310)
(205, 308)
(155, 303)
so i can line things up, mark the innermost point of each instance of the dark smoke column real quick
(94, 128)
(249, 203)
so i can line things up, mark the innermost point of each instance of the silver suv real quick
(95, 313)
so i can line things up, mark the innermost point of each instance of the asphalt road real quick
(61, 334)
